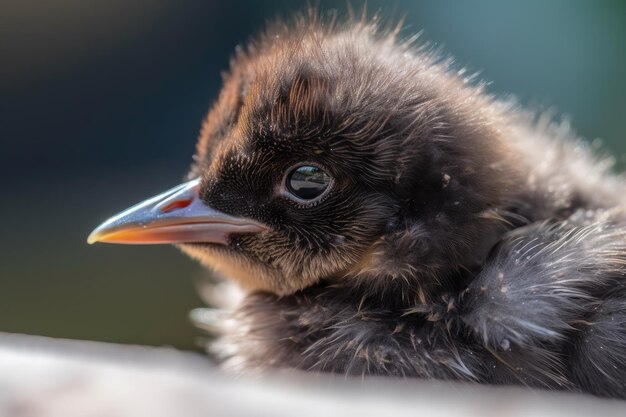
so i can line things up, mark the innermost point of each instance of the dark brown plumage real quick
(454, 236)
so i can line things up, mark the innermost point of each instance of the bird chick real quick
(385, 215)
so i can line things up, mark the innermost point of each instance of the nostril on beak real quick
(176, 205)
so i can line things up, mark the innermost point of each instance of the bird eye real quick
(307, 182)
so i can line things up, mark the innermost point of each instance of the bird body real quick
(386, 216)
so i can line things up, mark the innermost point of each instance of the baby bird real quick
(385, 215)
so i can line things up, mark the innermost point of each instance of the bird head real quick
(335, 152)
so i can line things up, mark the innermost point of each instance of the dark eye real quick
(307, 182)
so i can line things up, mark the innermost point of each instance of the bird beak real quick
(175, 216)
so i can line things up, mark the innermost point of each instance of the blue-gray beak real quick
(175, 216)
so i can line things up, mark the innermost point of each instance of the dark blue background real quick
(101, 102)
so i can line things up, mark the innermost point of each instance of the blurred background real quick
(101, 102)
